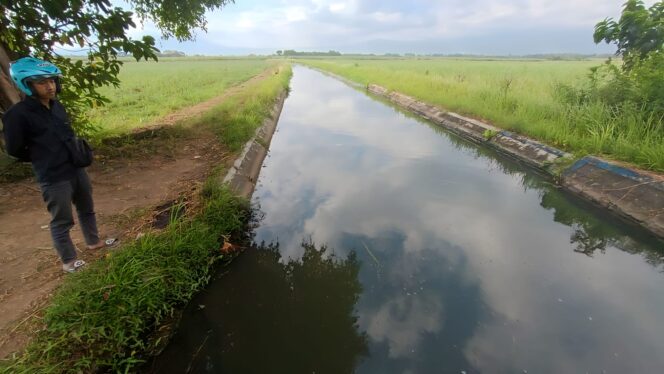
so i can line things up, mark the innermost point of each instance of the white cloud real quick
(511, 26)
(403, 330)
(245, 21)
(295, 14)
(337, 7)
(386, 17)
(487, 15)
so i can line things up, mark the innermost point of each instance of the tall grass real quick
(521, 96)
(150, 90)
(254, 104)
(100, 318)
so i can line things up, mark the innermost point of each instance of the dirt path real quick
(123, 191)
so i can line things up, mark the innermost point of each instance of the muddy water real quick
(393, 247)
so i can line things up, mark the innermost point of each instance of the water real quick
(438, 257)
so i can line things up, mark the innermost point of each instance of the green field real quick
(520, 95)
(150, 90)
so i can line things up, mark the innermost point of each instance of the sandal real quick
(73, 266)
(110, 242)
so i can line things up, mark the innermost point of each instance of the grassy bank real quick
(101, 319)
(518, 95)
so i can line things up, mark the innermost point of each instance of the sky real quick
(491, 27)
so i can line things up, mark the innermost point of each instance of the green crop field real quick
(150, 90)
(520, 95)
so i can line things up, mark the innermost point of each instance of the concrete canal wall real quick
(631, 193)
(634, 194)
(243, 174)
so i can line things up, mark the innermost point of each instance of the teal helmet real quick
(27, 69)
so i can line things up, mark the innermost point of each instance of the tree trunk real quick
(9, 95)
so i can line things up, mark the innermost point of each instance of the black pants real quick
(59, 197)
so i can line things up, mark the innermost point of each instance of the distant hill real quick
(171, 53)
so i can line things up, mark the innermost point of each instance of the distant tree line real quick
(542, 56)
(291, 52)
(171, 53)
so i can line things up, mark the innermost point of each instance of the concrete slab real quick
(634, 195)
(377, 90)
(527, 150)
(466, 127)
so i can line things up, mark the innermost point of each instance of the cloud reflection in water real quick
(505, 289)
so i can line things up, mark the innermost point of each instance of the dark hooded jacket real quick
(33, 133)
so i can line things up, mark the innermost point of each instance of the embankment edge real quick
(243, 175)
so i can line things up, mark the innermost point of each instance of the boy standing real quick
(34, 130)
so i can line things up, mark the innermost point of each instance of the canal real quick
(386, 245)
